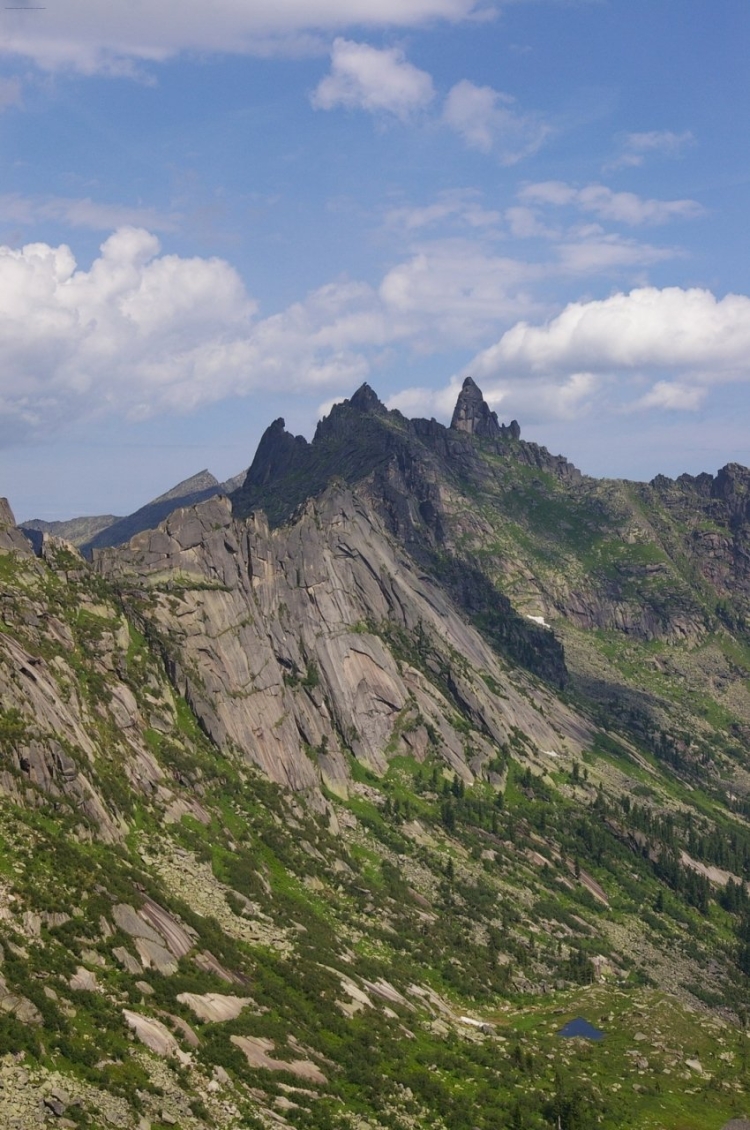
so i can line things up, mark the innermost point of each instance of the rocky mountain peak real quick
(278, 452)
(473, 414)
(202, 481)
(366, 399)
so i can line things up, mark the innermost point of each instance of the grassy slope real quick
(423, 886)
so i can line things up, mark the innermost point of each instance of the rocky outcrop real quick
(214, 1007)
(36, 755)
(707, 519)
(361, 437)
(18, 1006)
(258, 1049)
(282, 642)
(474, 416)
(12, 540)
(71, 723)
(78, 531)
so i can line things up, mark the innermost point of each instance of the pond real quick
(581, 1028)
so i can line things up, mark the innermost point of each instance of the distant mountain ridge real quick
(96, 532)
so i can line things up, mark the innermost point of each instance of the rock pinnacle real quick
(473, 414)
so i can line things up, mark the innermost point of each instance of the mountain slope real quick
(297, 827)
(625, 573)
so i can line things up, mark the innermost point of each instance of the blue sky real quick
(215, 214)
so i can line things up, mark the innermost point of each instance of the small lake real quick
(582, 1028)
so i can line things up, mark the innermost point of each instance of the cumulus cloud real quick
(673, 396)
(91, 37)
(380, 81)
(534, 400)
(136, 331)
(487, 120)
(606, 204)
(662, 142)
(140, 332)
(649, 329)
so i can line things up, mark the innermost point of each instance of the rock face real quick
(6, 514)
(280, 640)
(279, 453)
(473, 415)
(412, 473)
(502, 523)
(18, 1005)
(715, 512)
(214, 1007)
(12, 540)
(361, 437)
(257, 1050)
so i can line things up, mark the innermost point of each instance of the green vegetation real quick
(484, 877)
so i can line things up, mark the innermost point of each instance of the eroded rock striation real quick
(282, 643)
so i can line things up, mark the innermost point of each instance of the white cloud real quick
(592, 251)
(92, 37)
(459, 205)
(81, 213)
(690, 331)
(533, 400)
(140, 332)
(427, 401)
(136, 331)
(380, 81)
(673, 396)
(637, 146)
(454, 291)
(604, 202)
(524, 223)
(488, 121)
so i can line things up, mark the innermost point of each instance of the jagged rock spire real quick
(473, 414)
(278, 453)
(6, 514)
(366, 400)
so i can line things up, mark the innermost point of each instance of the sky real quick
(215, 214)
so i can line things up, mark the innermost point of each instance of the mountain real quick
(308, 819)
(75, 530)
(108, 529)
(624, 572)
